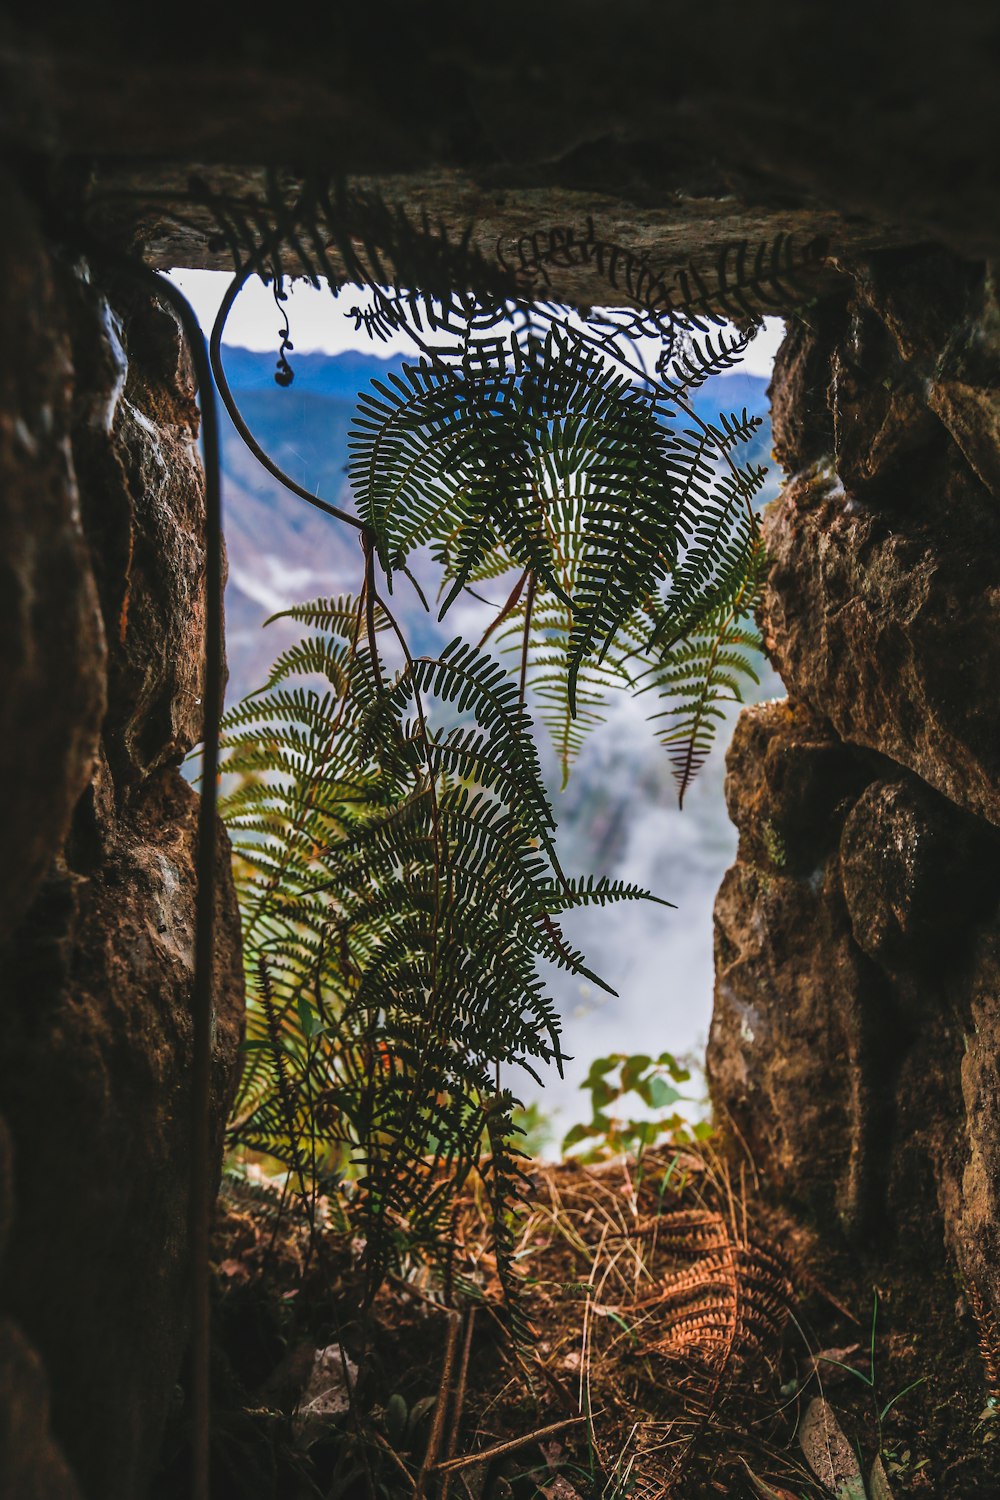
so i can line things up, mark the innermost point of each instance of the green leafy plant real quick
(630, 547)
(621, 1077)
(528, 443)
(868, 1377)
(398, 872)
(399, 882)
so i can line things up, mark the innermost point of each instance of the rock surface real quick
(792, 987)
(854, 1044)
(102, 520)
(143, 504)
(96, 1268)
(31, 1464)
(51, 635)
(883, 602)
(856, 1031)
(888, 619)
(890, 119)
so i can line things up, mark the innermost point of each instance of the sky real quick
(318, 322)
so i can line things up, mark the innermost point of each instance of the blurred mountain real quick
(618, 816)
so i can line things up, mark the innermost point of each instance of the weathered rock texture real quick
(101, 526)
(884, 606)
(51, 635)
(856, 1033)
(888, 115)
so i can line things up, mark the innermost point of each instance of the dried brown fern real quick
(723, 1318)
(659, 1313)
(989, 1346)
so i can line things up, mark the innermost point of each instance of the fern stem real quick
(371, 599)
(415, 1084)
(456, 1416)
(528, 603)
(508, 609)
(440, 1406)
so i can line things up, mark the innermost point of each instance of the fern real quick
(703, 671)
(396, 848)
(399, 884)
(741, 282)
(506, 1185)
(475, 461)
(516, 407)
(560, 467)
(684, 370)
(536, 634)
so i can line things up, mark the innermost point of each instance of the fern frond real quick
(721, 553)
(338, 615)
(399, 885)
(702, 672)
(702, 359)
(506, 1184)
(742, 282)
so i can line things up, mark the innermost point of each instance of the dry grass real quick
(658, 1314)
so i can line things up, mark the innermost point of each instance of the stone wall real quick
(855, 1043)
(101, 610)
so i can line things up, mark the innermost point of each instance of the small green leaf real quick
(625, 1327)
(306, 1015)
(632, 1070)
(899, 1396)
(677, 1072)
(598, 1068)
(396, 1417)
(662, 1093)
(603, 1094)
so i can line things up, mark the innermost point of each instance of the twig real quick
(440, 1406)
(229, 401)
(371, 600)
(456, 1416)
(526, 639)
(452, 1465)
(410, 1289)
(384, 1443)
(350, 1387)
(507, 609)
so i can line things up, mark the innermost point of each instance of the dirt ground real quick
(669, 1344)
